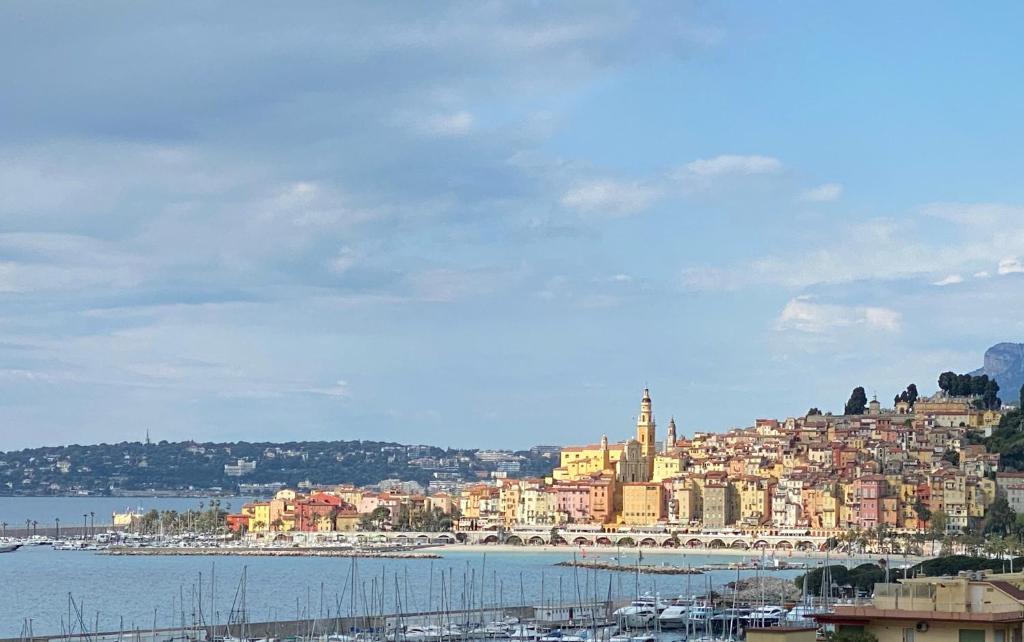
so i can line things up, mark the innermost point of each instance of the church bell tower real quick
(645, 434)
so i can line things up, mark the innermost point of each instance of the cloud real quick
(455, 124)
(610, 198)
(340, 390)
(875, 250)
(733, 165)
(803, 314)
(952, 279)
(824, 193)
(343, 261)
(444, 285)
(982, 215)
(1010, 266)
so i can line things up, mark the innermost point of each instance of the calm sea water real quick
(37, 582)
(44, 510)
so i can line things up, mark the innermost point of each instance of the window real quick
(972, 635)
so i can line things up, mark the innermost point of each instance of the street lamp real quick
(92, 520)
(85, 525)
(57, 520)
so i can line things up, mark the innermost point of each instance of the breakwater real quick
(632, 568)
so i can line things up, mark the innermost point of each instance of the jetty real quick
(632, 568)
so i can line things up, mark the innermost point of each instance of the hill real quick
(1004, 362)
(192, 467)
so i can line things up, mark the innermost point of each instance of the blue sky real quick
(490, 224)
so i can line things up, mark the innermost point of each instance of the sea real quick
(48, 587)
(14, 511)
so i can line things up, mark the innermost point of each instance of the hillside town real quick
(917, 465)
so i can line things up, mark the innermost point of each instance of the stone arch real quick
(558, 540)
(461, 537)
(536, 540)
(761, 544)
(805, 546)
(604, 541)
(491, 539)
(694, 543)
(784, 544)
(514, 540)
(716, 543)
(581, 541)
(446, 538)
(739, 543)
(648, 541)
(626, 541)
(671, 542)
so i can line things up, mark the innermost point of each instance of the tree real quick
(380, 515)
(946, 381)
(1000, 518)
(990, 395)
(938, 524)
(857, 403)
(1020, 400)
(923, 512)
(908, 396)
(816, 412)
(912, 394)
(951, 456)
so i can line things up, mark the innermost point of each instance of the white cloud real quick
(952, 279)
(1010, 266)
(881, 318)
(611, 198)
(340, 390)
(823, 193)
(343, 261)
(879, 249)
(443, 285)
(731, 164)
(457, 123)
(983, 274)
(803, 314)
(974, 214)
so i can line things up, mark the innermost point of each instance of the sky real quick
(489, 224)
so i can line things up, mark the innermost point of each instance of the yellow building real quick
(260, 520)
(580, 462)
(643, 503)
(630, 461)
(667, 466)
(755, 500)
(980, 608)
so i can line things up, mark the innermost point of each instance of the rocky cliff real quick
(1004, 362)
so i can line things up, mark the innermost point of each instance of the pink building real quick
(870, 490)
(573, 500)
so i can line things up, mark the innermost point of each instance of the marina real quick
(437, 595)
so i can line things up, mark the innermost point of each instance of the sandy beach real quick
(608, 551)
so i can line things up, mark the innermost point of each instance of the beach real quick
(662, 552)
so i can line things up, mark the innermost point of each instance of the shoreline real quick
(598, 552)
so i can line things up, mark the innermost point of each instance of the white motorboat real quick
(526, 632)
(674, 617)
(561, 636)
(764, 616)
